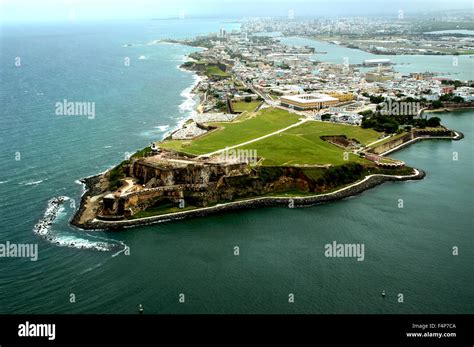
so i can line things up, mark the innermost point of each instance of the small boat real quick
(383, 293)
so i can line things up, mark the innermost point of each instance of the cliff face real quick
(153, 176)
(201, 186)
(255, 203)
(203, 195)
(205, 185)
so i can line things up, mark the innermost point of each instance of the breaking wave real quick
(54, 210)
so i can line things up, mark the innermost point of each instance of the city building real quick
(377, 62)
(308, 101)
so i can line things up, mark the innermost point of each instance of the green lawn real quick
(213, 70)
(242, 106)
(297, 146)
(303, 146)
(244, 129)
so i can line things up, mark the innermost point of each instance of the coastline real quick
(459, 136)
(190, 104)
(389, 53)
(451, 109)
(345, 192)
(188, 108)
(89, 183)
(353, 189)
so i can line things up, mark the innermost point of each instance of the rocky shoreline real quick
(354, 189)
(91, 189)
(92, 185)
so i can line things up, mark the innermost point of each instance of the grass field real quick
(242, 106)
(213, 70)
(242, 130)
(303, 146)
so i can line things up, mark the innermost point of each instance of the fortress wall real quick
(391, 144)
(257, 202)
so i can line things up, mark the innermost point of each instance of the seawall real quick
(351, 190)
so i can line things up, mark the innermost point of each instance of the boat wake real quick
(44, 229)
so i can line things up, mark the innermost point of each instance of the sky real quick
(98, 10)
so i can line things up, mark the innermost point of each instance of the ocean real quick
(139, 95)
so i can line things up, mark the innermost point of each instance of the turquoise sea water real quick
(455, 67)
(407, 250)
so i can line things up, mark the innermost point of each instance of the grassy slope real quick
(213, 70)
(266, 122)
(302, 145)
(242, 106)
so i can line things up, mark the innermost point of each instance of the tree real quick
(366, 113)
(326, 117)
(390, 127)
(248, 99)
(421, 123)
(433, 122)
(446, 97)
(376, 99)
(457, 99)
(437, 104)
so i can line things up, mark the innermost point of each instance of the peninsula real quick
(268, 131)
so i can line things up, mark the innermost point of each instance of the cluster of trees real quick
(339, 175)
(391, 124)
(446, 98)
(221, 105)
(455, 83)
(451, 97)
(385, 122)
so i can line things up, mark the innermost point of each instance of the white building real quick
(308, 101)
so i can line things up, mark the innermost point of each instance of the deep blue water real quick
(281, 251)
